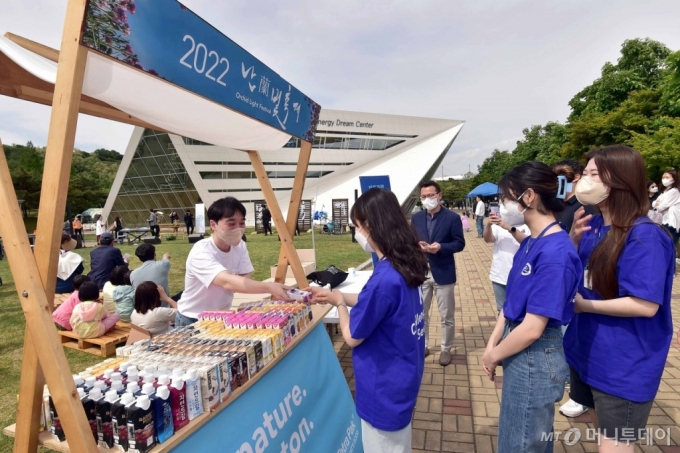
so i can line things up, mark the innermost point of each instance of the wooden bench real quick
(104, 346)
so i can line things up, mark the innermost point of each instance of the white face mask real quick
(667, 182)
(590, 192)
(363, 241)
(654, 189)
(430, 203)
(510, 213)
(231, 237)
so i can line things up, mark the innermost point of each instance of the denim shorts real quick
(617, 418)
(181, 320)
(533, 381)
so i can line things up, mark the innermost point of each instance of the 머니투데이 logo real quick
(527, 269)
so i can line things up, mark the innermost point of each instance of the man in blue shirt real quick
(440, 233)
(104, 259)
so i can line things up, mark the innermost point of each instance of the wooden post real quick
(294, 206)
(43, 337)
(42, 342)
(281, 228)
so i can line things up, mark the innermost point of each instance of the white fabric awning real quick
(157, 102)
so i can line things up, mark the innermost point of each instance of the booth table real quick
(211, 425)
(353, 285)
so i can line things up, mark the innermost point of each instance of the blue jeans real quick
(182, 321)
(499, 292)
(480, 225)
(533, 381)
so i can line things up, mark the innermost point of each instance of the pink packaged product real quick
(300, 296)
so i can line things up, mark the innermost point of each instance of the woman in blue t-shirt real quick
(386, 326)
(618, 341)
(527, 338)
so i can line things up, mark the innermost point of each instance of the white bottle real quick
(194, 400)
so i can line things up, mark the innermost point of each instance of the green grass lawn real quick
(264, 251)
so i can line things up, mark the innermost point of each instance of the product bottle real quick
(163, 379)
(104, 422)
(178, 393)
(106, 377)
(162, 414)
(118, 387)
(160, 372)
(119, 419)
(57, 429)
(90, 406)
(132, 375)
(148, 389)
(140, 425)
(116, 376)
(133, 387)
(89, 383)
(123, 367)
(101, 385)
(193, 389)
(148, 379)
(80, 382)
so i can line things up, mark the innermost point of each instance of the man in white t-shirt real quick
(219, 266)
(479, 212)
(101, 227)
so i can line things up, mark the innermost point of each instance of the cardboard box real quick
(308, 259)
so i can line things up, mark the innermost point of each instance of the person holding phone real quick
(505, 230)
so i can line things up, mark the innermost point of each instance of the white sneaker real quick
(572, 409)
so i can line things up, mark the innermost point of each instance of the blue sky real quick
(501, 66)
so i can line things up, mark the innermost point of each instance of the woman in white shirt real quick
(669, 205)
(148, 312)
(505, 232)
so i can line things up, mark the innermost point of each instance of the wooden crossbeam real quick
(294, 206)
(277, 216)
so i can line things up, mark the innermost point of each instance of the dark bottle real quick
(90, 406)
(140, 425)
(57, 429)
(178, 393)
(104, 422)
(119, 421)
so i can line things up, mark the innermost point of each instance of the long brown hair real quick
(380, 210)
(622, 169)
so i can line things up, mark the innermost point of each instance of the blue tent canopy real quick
(486, 189)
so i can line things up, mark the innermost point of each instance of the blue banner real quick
(369, 182)
(167, 40)
(301, 405)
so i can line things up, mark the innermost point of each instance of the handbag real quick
(331, 276)
(655, 216)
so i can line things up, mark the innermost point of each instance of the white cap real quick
(148, 378)
(108, 373)
(132, 367)
(100, 385)
(111, 396)
(116, 377)
(164, 379)
(178, 383)
(90, 381)
(163, 392)
(133, 375)
(95, 393)
(132, 387)
(149, 369)
(127, 398)
(77, 380)
(143, 402)
(177, 372)
(81, 393)
(148, 389)
(191, 375)
(124, 366)
(116, 385)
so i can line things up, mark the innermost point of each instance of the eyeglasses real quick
(429, 195)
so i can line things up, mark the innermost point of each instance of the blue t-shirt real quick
(625, 357)
(388, 364)
(543, 280)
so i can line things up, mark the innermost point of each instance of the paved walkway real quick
(458, 407)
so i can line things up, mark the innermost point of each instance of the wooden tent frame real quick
(35, 273)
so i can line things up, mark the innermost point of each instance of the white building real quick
(169, 172)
